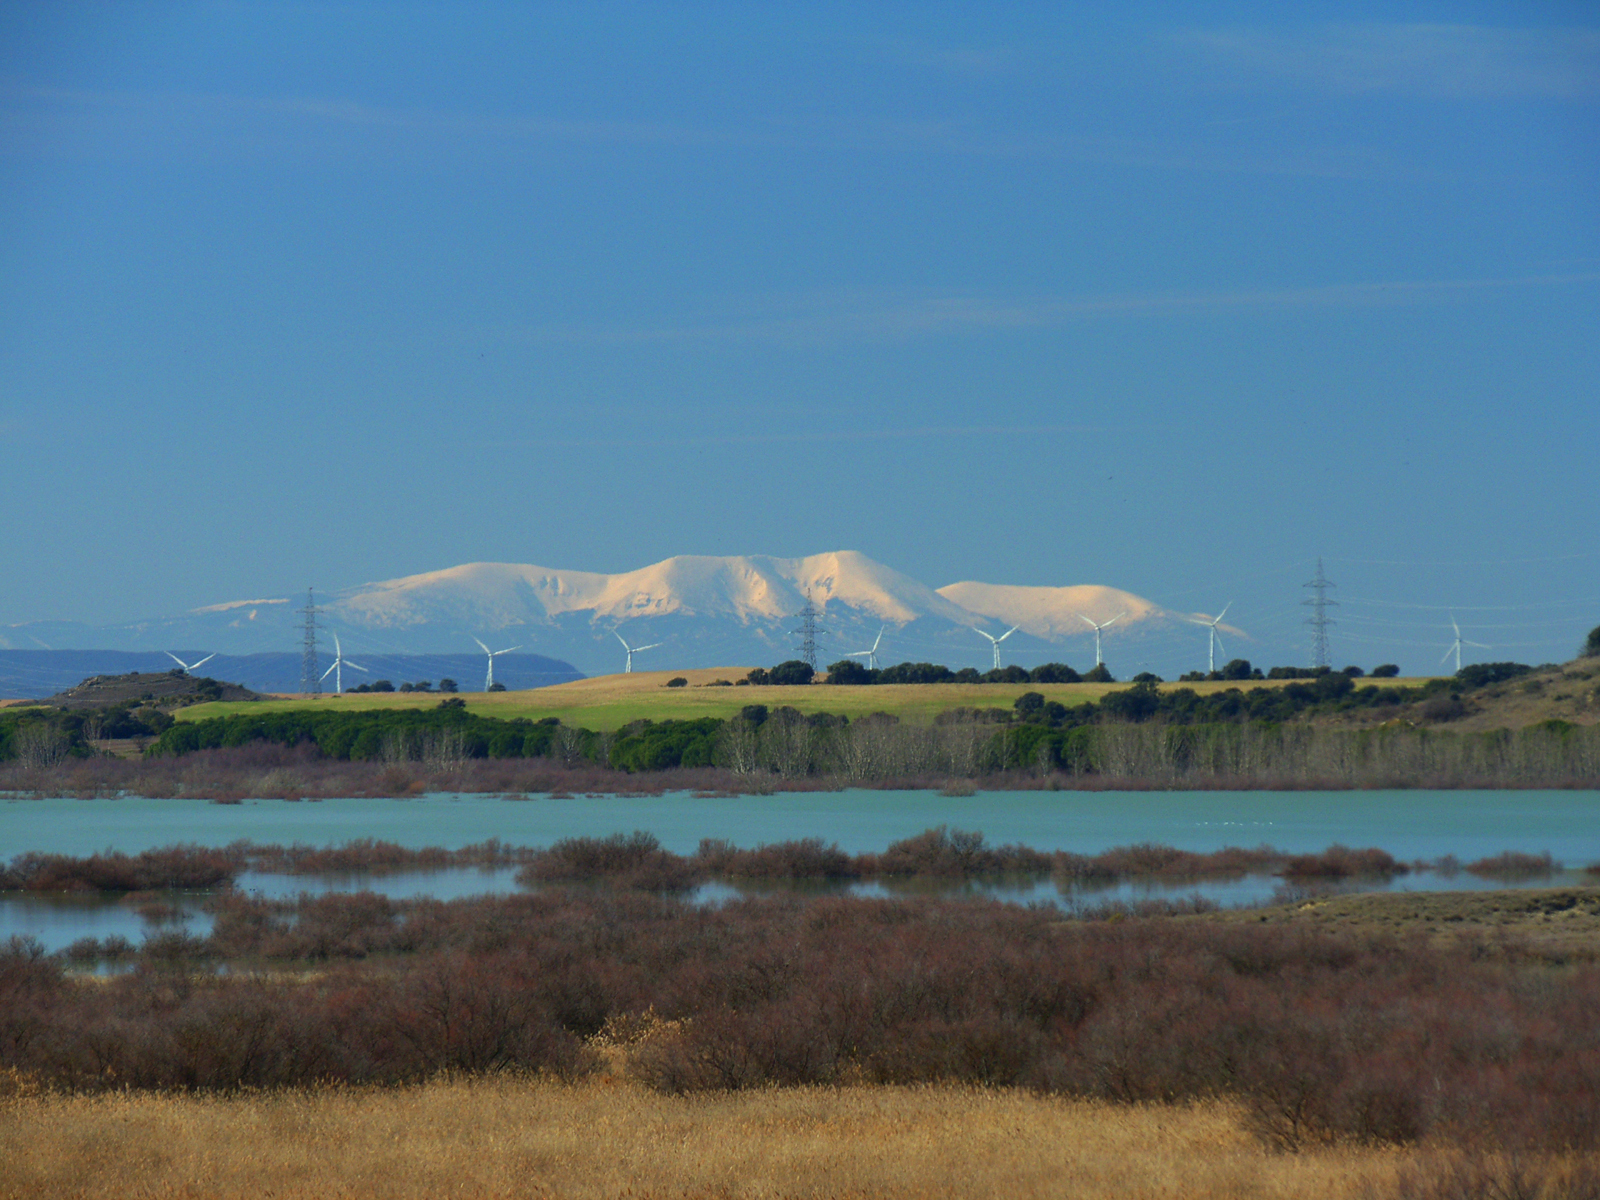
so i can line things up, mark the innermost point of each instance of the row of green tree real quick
(448, 732)
(1124, 742)
(447, 686)
(848, 671)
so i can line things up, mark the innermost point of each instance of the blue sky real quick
(1173, 298)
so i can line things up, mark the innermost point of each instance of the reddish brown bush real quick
(1147, 861)
(952, 853)
(164, 868)
(630, 860)
(1321, 1035)
(1514, 865)
(807, 858)
(1341, 862)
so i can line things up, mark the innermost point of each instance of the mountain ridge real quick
(707, 610)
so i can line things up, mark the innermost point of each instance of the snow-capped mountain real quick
(703, 610)
(1053, 613)
(746, 589)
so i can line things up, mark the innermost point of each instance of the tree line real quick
(1139, 732)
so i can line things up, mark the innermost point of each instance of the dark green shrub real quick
(1483, 674)
(849, 671)
(1054, 673)
(793, 673)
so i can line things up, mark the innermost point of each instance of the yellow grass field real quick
(611, 701)
(504, 1137)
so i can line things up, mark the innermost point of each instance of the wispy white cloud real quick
(52, 111)
(49, 119)
(967, 61)
(857, 318)
(905, 433)
(1454, 61)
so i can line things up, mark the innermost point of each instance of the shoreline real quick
(232, 777)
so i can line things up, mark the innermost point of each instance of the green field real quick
(612, 701)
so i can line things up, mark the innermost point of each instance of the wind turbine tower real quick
(1098, 660)
(340, 662)
(997, 641)
(1216, 638)
(632, 650)
(1455, 647)
(187, 667)
(488, 681)
(870, 655)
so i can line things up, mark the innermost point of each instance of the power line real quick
(1476, 607)
(1319, 620)
(1482, 562)
(310, 680)
(808, 632)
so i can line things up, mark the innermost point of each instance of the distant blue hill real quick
(34, 674)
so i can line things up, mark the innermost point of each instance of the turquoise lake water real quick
(1408, 824)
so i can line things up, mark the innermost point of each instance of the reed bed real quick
(637, 860)
(513, 1137)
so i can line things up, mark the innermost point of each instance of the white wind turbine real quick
(1455, 646)
(870, 655)
(488, 681)
(337, 670)
(187, 667)
(1216, 638)
(1098, 659)
(997, 641)
(632, 650)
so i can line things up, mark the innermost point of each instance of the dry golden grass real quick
(1558, 924)
(609, 702)
(1566, 693)
(508, 1137)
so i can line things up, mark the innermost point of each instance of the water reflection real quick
(57, 921)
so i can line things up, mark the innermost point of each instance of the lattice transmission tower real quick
(310, 679)
(807, 649)
(1319, 620)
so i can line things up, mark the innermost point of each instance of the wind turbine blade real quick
(204, 660)
(878, 639)
(338, 650)
(329, 671)
(619, 638)
(1447, 655)
(985, 633)
(1225, 609)
(485, 648)
(1007, 634)
(1081, 617)
(651, 646)
(1454, 626)
(1479, 645)
(176, 659)
(508, 650)
(1218, 636)
(1114, 620)
(354, 666)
